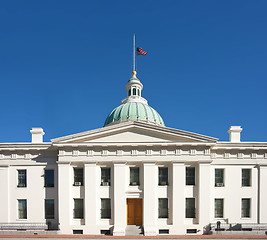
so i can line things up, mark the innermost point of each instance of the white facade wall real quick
(132, 145)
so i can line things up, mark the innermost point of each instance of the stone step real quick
(133, 230)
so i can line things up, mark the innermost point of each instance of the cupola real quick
(134, 106)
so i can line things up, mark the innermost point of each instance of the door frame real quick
(140, 201)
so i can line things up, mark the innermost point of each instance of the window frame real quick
(46, 182)
(78, 179)
(105, 213)
(163, 180)
(216, 214)
(105, 178)
(246, 182)
(47, 214)
(188, 178)
(22, 181)
(219, 183)
(23, 210)
(134, 179)
(163, 212)
(248, 211)
(190, 212)
(78, 208)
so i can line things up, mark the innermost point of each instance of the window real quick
(219, 177)
(78, 176)
(138, 90)
(190, 176)
(190, 210)
(22, 178)
(49, 209)
(129, 92)
(218, 209)
(163, 208)
(105, 176)
(134, 91)
(245, 208)
(163, 176)
(105, 208)
(49, 178)
(246, 177)
(22, 209)
(134, 176)
(78, 209)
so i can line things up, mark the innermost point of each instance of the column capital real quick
(148, 162)
(262, 164)
(89, 163)
(118, 162)
(205, 161)
(63, 163)
(178, 162)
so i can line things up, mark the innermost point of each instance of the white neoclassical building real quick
(134, 171)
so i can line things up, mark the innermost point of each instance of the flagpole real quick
(134, 52)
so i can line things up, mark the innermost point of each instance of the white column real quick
(204, 191)
(150, 201)
(119, 200)
(178, 198)
(91, 208)
(65, 207)
(262, 193)
(4, 200)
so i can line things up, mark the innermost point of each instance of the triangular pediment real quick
(134, 132)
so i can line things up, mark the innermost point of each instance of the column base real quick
(119, 231)
(150, 231)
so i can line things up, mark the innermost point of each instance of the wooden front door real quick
(134, 211)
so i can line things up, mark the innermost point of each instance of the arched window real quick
(138, 90)
(129, 92)
(134, 91)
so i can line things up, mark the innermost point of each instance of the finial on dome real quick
(134, 73)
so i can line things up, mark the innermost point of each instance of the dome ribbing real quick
(134, 111)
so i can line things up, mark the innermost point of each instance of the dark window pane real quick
(22, 209)
(105, 177)
(22, 178)
(219, 177)
(134, 91)
(129, 92)
(190, 211)
(78, 209)
(163, 208)
(163, 176)
(246, 177)
(49, 178)
(78, 176)
(134, 176)
(245, 208)
(190, 176)
(49, 209)
(218, 211)
(105, 208)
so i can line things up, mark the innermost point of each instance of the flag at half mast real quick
(140, 51)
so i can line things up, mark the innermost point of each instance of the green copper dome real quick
(134, 111)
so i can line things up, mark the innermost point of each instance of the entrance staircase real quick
(134, 230)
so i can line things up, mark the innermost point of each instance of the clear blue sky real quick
(64, 64)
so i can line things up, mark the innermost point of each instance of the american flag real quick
(139, 51)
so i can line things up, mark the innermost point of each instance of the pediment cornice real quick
(159, 134)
